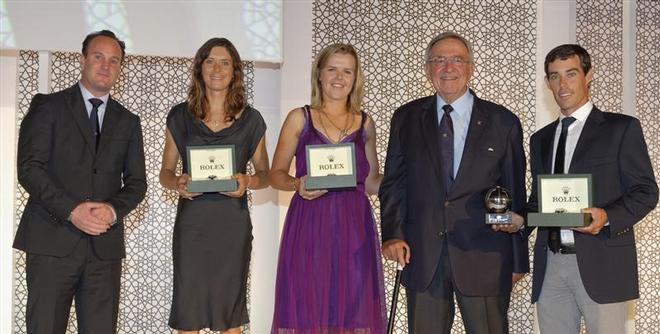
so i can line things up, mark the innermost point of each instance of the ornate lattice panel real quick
(28, 86)
(647, 315)
(149, 87)
(391, 36)
(599, 29)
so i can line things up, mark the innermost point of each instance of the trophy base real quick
(499, 218)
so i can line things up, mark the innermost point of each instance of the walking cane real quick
(395, 297)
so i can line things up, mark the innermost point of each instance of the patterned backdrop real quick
(149, 87)
(600, 30)
(28, 86)
(647, 318)
(391, 36)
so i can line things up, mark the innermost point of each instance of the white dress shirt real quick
(574, 131)
(88, 105)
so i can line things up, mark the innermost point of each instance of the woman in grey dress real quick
(213, 232)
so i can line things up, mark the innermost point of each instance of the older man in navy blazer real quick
(81, 160)
(445, 152)
(591, 271)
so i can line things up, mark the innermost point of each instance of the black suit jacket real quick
(59, 167)
(612, 149)
(416, 208)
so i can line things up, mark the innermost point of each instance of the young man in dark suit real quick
(81, 160)
(445, 152)
(591, 271)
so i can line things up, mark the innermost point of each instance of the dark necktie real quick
(554, 241)
(447, 146)
(94, 120)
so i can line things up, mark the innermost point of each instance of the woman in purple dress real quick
(329, 276)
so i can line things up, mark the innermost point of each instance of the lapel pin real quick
(490, 149)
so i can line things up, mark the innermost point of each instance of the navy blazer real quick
(59, 167)
(416, 208)
(612, 149)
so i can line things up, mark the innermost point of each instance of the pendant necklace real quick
(342, 132)
(214, 123)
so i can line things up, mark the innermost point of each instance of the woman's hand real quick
(304, 193)
(182, 187)
(243, 184)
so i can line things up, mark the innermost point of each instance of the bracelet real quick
(294, 183)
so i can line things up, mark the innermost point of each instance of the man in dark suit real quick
(81, 160)
(445, 152)
(589, 271)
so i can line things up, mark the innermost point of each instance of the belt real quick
(567, 249)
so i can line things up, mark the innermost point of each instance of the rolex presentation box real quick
(560, 199)
(211, 168)
(330, 166)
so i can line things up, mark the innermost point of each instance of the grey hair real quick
(445, 35)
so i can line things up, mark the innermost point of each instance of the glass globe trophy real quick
(498, 203)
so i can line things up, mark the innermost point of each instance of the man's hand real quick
(104, 213)
(517, 222)
(599, 220)
(397, 250)
(84, 219)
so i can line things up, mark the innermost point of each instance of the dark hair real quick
(566, 51)
(235, 101)
(106, 33)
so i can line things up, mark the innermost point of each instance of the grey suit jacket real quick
(59, 167)
(612, 149)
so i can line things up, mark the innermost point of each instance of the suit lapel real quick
(110, 121)
(587, 136)
(429, 120)
(547, 144)
(79, 114)
(479, 121)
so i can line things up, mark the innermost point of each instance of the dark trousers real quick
(432, 311)
(53, 282)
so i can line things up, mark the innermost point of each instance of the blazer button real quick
(447, 204)
(441, 234)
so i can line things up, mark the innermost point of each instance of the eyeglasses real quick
(444, 61)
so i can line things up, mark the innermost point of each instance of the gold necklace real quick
(214, 122)
(210, 121)
(342, 132)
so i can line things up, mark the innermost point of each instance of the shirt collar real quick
(462, 105)
(581, 113)
(86, 94)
